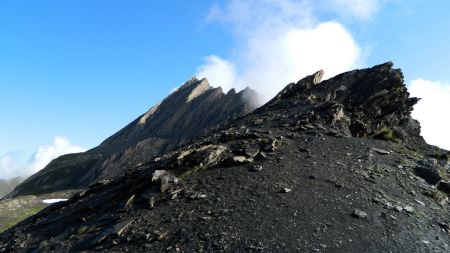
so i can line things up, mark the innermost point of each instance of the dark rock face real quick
(370, 103)
(290, 177)
(190, 111)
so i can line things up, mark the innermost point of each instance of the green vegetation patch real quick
(13, 211)
(387, 134)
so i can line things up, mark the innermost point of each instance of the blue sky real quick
(74, 72)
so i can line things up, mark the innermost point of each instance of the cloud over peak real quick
(278, 42)
(432, 110)
(14, 164)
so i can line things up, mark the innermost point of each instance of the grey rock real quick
(158, 174)
(286, 190)
(359, 214)
(409, 209)
(430, 171)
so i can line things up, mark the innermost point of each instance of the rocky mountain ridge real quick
(331, 166)
(192, 110)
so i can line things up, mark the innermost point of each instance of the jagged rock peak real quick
(190, 111)
(371, 102)
(293, 88)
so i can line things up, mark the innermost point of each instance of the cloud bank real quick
(281, 41)
(432, 110)
(14, 164)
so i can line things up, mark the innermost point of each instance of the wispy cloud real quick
(432, 110)
(281, 41)
(361, 9)
(14, 164)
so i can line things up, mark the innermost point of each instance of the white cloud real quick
(13, 164)
(219, 71)
(432, 110)
(278, 42)
(9, 165)
(362, 9)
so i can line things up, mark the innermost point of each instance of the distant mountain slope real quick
(190, 111)
(6, 186)
(331, 166)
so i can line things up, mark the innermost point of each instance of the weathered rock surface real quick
(190, 111)
(326, 186)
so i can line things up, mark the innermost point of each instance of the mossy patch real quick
(387, 134)
(440, 155)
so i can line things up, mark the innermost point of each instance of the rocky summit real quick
(326, 166)
(191, 110)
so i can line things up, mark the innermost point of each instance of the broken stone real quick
(359, 214)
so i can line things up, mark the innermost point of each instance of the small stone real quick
(258, 121)
(239, 159)
(409, 209)
(162, 236)
(152, 202)
(398, 208)
(157, 174)
(287, 190)
(381, 151)
(419, 202)
(257, 168)
(198, 196)
(359, 214)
